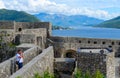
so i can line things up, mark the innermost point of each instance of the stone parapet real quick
(39, 64)
(8, 67)
(110, 65)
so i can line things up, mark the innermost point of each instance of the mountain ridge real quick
(18, 16)
(112, 23)
(72, 20)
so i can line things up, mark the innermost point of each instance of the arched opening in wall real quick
(95, 42)
(19, 29)
(112, 43)
(79, 41)
(70, 54)
(103, 43)
(119, 43)
(88, 42)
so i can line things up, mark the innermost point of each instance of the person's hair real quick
(19, 50)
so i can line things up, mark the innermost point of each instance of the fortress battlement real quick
(39, 34)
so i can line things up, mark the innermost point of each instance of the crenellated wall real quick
(6, 24)
(39, 64)
(38, 33)
(27, 32)
(61, 44)
(8, 67)
(26, 25)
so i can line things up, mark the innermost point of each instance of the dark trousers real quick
(20, 65)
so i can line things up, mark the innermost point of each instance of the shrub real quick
(78, 74)
(87, 75)
(47, 75)
(36, 75)
(18, 77)
(98, 74)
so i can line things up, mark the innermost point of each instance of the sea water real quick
(89, 32)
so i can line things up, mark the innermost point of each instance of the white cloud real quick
(36, 6)
(2, 4)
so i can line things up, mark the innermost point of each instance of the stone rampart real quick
(7, 68)
(27, 38)
(39, 36)
(91, 62)
(39, 64)
(97, 61)
(110, 65)
(37, 32)
(7, 34)
(74, 43)
(18, 26)
(6, 24)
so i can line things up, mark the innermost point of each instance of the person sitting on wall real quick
(19, 59)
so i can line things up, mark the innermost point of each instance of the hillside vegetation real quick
(113, 23)
(19, 16)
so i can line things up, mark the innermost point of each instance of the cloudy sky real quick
(103, 9)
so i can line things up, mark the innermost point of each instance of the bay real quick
(89, 32)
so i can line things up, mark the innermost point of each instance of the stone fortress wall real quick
(28, 33)
(96, 61)
(91, 62)
(110, 65)
(6, 24)
(64, 47)
(62, 44)
(39, 64)
(25, 32)
(19, 26)
(33, 36)
(67, 47)
(7, 68)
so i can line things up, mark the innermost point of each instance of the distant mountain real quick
(113, 23)
(73, 20)
(19, 16)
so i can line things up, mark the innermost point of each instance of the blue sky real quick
(103, 9)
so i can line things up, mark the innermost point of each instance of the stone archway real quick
(19, 29)
(70, 54)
